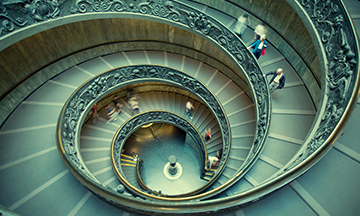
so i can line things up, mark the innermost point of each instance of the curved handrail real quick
(139, 167)
(340, 94)
(155, 116)
(340, 76)
(186, 17)
(177, 14)
(338, 48)
(80, 102)
(336, 113)
(207, 27)
(171, 12)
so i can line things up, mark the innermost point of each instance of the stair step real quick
(198, 109)
(156, 58)
(152, 101)
(128, 164)
(179, 106)
(202, 118)
(172, 106)
(143, 103)
(159, 102)
(184, 100)
(128, 161)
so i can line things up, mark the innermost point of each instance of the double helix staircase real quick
(237, 105)
(35, 181)
(96, 135)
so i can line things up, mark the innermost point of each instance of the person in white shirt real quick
(277, 81)
(212, 161)
(241, 24)
(134, 104)
(188, 107)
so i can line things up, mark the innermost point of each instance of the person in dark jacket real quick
(277, 81)
(259, 47)
(117, 104)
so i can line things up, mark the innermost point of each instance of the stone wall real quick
(29, 63)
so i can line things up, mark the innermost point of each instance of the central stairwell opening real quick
(154, 145)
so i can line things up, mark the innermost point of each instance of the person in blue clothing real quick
(259, 47)
(117, 104)
(277, 81)
(111, 112)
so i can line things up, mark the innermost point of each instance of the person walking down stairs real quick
(241, 24)
(111, 112)
(95, 115)
(117, 104)
(277, 81)
(259, 47)
(188, 107)
(207, 135)
(134, 104)
(212, 161)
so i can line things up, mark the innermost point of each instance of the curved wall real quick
(33, 53)
(71, 44)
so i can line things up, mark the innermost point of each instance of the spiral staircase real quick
(35, 180)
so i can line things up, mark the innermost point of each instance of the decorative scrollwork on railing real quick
(8, 23)
(153, 117)
(209, 27)
(84, 6)
(173, 11)
(82, 100)
(42, 10)
(165, 10)
(177, 13)
(334, 32)
(30, 13)
(328, 16)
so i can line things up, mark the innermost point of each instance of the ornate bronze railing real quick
(338, 49)
(17, 15)
(332, 31)
(186, 17)
(155, 116)
(139, 172)
(76, 108)
(330, 25)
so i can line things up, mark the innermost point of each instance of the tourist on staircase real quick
(134, 104)
(212, 161)
(117, 104)
(277, 81)
(111, 112)
(259, 30)
(241, 24)
(207, 135)
(188, 107)
(95, 115)
(259, 47)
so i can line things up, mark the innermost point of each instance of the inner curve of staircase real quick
(36, 117)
